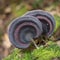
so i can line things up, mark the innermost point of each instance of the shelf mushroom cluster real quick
(31, 25)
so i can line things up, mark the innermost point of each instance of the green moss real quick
(57, 19)
(14, 55)
(43, 53)
(20, 11)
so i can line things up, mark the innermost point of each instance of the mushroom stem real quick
(34, 43)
